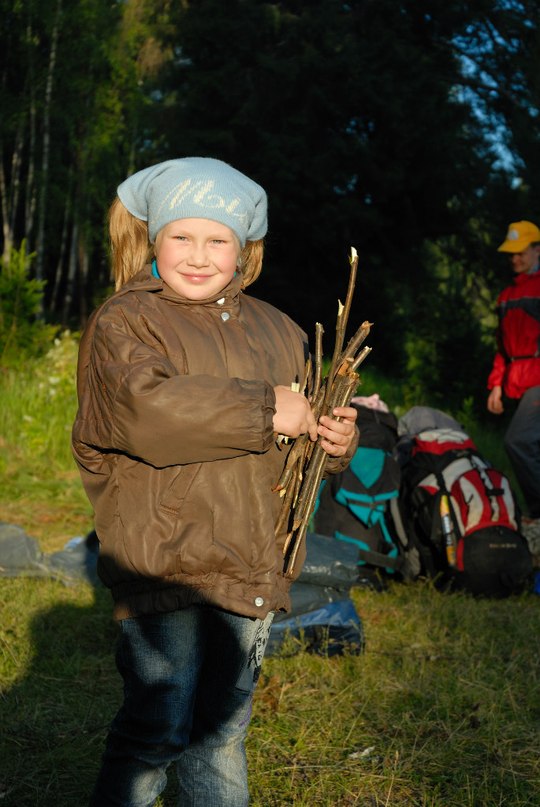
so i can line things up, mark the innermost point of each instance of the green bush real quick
(23, 334)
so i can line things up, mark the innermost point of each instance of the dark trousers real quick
(522, 444)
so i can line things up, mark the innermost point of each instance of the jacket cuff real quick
(269, 410)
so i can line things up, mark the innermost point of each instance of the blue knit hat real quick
(196, 187)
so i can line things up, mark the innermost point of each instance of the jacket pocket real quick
(174, 496)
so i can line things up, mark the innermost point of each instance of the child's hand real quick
(337, 435)
(293, 415)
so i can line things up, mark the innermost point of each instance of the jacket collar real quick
(524, 277)
(228, 298)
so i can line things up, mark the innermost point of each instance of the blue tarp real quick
(323, 618)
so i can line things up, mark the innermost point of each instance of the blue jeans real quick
(189, 678)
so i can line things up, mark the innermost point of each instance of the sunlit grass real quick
(442, 710)
(39, 482)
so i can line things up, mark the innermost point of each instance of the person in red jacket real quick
(516, 368)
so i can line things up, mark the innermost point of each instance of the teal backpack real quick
(360, 505)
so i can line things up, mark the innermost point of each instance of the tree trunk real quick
(72, 272)
(4, 206)
(30, 195)
(62, 254)
(84, 264)
(46, 143)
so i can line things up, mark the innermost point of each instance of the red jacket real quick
(516, 366)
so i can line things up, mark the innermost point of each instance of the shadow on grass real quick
(55, 719)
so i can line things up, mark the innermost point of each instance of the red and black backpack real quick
(461, 514)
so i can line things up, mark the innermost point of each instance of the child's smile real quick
(196, 257)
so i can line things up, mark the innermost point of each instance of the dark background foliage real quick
(405, 129)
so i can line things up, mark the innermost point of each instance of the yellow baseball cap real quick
(520, 235)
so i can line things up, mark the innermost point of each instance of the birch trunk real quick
(46, 143)
(62, 254)
(30, 193)
(4, 206)
(72, 273)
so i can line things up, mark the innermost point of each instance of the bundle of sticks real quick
(305, 466)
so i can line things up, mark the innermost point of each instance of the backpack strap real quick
(344, 524)
(374, 558)
(395, 512)
(436, 524)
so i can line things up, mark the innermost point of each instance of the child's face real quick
(196, 257)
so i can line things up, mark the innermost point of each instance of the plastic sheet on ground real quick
(323, 618)
(20, 556)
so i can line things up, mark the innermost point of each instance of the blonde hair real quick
(131, 250)
(251, 259)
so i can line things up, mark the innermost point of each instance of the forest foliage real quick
(405, 129)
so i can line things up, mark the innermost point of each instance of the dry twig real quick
(306, 462)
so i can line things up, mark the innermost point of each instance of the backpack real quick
(360, 505)
(461, 513)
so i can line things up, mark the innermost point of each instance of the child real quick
(184, 384)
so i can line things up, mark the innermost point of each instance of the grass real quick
(40, 484)
(433, 714)
(442, 709)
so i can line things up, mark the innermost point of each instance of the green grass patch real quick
(442, 710)
(39, 483)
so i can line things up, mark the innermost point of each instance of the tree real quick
(22, 335)
(405, 129)
(75, 116)
(346, 113)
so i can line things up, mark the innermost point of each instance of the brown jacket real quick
(174, 440)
